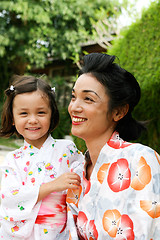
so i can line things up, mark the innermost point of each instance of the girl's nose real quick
(32, 119)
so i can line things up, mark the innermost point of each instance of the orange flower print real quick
(110, 221)
(116, 142)
(125, 229)
(86, 184)
(152, 208)
(119, 175)
(93, 234)
(157, 156)
(142, 176)
(73, 195)
(102, 172)
(70, 238)
(81, 223)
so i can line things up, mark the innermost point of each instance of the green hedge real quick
(138, 50)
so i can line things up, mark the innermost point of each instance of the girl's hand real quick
(65, 181)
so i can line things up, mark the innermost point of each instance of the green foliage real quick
(33, 33)
(64, 124)
(138, 50)
(80, 143)
(10, 143)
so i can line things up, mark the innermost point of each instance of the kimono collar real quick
(30, 148)
(115, 136)
(114, 142)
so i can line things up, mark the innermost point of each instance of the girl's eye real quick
(23, 113)
(41, 112)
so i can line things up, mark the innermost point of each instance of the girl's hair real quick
(25, 84)
(122, 88)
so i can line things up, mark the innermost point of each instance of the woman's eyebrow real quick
(87, 91)
(92, 92)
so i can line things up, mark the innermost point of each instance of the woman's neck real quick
(95, 145)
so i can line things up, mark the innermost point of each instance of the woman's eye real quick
(72, 96)
(89, 99)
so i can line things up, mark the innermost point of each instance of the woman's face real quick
(89, 109)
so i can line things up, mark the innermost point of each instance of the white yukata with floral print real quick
(122, 197)
(23, 171)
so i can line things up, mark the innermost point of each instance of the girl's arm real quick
(68, 180)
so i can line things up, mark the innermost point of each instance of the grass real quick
(9, 142)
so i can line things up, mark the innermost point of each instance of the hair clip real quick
(53, 89)
(11, 88)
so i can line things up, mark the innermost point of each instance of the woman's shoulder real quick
(144, 157)
(142, 149)
(64, 143)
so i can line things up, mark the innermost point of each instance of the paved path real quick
(3, 152)
(2, 156)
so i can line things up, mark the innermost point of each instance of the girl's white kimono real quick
(23, 172)
(122, 198)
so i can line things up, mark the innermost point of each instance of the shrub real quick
(138, 50)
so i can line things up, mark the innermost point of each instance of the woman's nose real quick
(75, 106)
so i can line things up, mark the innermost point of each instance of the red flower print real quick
(116, 142)
(86, 184)
(110, 221)
(102, 172)
(125, 229)
(152, 208)
(143, 175)
(73, 195)
(93, 234)
(119, 175)
(81, 223)
(157, 156)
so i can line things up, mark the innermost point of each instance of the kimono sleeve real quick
(18, 200)
(74, 195)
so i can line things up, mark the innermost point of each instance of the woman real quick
(121, 179)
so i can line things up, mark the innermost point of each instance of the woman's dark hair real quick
(122, 88)
(25, 84)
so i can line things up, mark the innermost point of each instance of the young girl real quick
(36, 176)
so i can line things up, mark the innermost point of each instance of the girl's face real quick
(32, 116)
(89, 110)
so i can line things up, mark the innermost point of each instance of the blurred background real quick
(49, 37)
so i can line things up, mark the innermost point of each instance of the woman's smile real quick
(78, 120)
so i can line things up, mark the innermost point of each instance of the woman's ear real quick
(120, 112)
